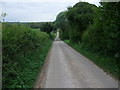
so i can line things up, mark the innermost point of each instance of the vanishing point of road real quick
(69, 69)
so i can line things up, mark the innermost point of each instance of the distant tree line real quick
(47, 27)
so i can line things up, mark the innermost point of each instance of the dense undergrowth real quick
(23, 51)
(108, 64)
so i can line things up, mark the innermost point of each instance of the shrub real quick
(23, 52)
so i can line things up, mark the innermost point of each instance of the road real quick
(69, 69)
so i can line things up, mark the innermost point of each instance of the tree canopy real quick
(96, 28)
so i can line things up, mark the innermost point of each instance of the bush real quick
(23, 51)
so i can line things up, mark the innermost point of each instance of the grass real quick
(108, 64)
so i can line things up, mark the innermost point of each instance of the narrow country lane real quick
(69, 69)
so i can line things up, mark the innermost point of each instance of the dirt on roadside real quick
(40, 81)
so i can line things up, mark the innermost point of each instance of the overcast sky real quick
(36, 10)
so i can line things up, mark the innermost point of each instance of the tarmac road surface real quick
(69, 69)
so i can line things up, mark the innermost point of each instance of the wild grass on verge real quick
(24, 51)
(108, 64)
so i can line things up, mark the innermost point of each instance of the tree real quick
(80, 16)
(47, 27)
(103, 36)
(62, 24)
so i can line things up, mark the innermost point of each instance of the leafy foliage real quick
(79, 17)
(103, 35)
(48, 28)
(23, 52)
(62, 24)
(97, 28)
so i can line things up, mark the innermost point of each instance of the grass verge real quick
(108, 64)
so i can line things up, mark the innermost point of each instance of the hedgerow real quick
(23, 51)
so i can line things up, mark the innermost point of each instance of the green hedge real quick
(24, 51)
